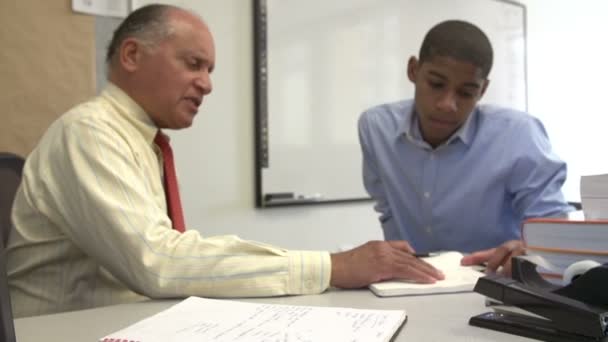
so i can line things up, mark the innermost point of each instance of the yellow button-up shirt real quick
(91, 225)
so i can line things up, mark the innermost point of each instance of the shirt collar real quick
(130, 110)
(410, 128)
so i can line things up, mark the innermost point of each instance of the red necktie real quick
(174, 205)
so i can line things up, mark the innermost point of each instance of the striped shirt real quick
(91, 225)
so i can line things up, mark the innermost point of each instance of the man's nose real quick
(203, 83)
(447, 102)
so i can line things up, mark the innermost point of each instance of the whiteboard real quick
(320, 64)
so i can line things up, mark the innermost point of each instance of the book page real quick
(200, 319)
(457, 278)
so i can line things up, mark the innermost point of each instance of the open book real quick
(200, 319)
(457, 279)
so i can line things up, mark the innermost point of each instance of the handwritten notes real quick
(201, 319)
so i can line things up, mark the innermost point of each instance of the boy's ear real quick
(412, 69)
(484, 87)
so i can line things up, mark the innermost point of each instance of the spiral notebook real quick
(200, 319)
(457, 279)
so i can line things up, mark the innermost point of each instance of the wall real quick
(567, 81)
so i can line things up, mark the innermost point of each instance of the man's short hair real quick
(148, 24)
(460, 40)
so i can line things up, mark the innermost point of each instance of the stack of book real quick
(562, 242)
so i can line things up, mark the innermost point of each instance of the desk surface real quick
(430, 318)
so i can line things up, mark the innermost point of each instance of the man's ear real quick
(483, 88)
(412, 69)
(130, 54)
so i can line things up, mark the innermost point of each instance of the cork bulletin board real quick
(47, 65)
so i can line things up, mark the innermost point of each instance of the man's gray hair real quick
(148, 24)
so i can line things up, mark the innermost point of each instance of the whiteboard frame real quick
(261, 114)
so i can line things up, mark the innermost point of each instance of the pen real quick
(424, 255)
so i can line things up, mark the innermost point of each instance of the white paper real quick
(111, 8)
(594, 196)
(201, 319)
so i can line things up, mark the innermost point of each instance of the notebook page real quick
(200, 319)
(457, 278)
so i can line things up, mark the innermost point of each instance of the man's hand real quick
(380, 260)
(496, 257)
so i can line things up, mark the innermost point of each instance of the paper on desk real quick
(594, 196)
(201, 319)
(112, 8)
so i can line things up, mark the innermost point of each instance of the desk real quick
(430, 318)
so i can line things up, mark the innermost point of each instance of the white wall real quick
(568, 69)
(566, 46)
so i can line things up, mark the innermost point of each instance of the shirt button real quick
(427, 195)
(309, 284)
(428, 229)
(432, 156)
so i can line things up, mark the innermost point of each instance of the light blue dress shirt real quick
(468, 194)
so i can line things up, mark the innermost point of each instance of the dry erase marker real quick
(278, 196)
